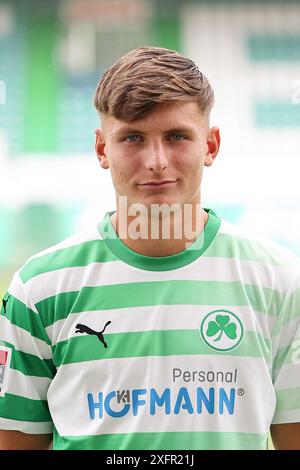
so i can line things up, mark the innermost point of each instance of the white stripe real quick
(158, 317)
(224, 270)
(289, 333)
(253, 411)
(22, 340)
(287, 377)
(27, 386)
(275, 251)
(89, 234)
(26, 427)
(297, 282)
(17, 290)
(228, 228)
(290, 416)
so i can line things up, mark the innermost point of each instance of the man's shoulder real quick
(69, 252)
(250, 244)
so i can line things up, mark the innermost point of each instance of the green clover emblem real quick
(223, 325)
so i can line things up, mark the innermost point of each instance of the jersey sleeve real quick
(286, 364)
(26, 365)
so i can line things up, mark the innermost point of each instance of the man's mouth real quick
(157, 184)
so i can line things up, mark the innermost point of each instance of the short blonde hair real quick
(145, 76)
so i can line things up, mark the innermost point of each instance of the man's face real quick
(170, 145)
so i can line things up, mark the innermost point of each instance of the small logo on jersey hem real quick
(5, 357)
(80, 328)
(222, 330)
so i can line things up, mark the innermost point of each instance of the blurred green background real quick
(52, 54)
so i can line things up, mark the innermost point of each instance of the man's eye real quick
(177, 136)
(132, 138)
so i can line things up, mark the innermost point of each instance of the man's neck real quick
(162, 246)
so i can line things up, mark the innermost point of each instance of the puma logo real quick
(4, 302)
(80, 328)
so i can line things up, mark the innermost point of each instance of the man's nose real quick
(156, 158)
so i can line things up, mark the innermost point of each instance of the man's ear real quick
(213, 145)
(100, 149)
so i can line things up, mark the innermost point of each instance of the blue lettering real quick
(205, 399)
(229, 402)
(135, 399)
(160, 401)
(183, 401)
(93, 405)
(112, 413)
(209, 403)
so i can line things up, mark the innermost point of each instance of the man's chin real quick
(159, 199)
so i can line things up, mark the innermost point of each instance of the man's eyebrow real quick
(181, 129)
(131, 130)
(125, 130)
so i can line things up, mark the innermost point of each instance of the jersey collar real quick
(159, 263)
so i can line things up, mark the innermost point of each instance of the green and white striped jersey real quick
(110, 349)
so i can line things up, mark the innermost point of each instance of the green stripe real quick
(22, 316)
(285, 356)
(179, 292)
(29, 364)
(287, 399)
(20, 408)
(163, 441)
(81, 254)
(152, 343)
(233, 246)
(289, 312)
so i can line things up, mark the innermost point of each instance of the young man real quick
(163, 327)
